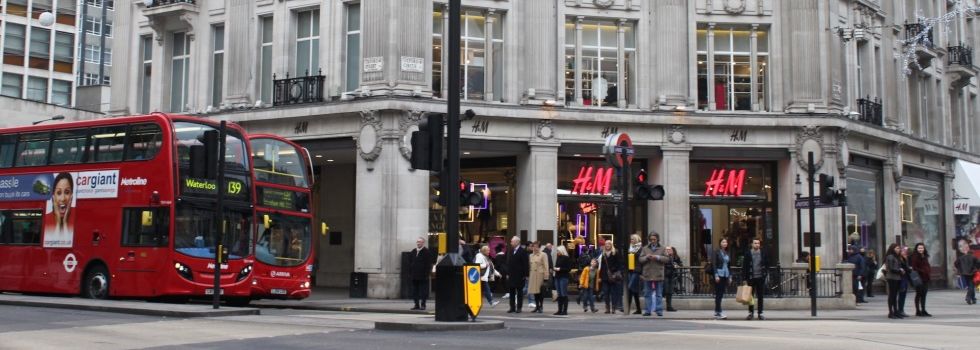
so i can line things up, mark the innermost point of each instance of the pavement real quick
(125, 306)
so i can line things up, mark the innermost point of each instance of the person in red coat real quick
(920, 264)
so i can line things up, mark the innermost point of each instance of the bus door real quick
(20, 247)
(144, 249)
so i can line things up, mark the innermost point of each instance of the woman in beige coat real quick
(538, 274)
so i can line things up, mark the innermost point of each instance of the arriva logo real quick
(280, 274)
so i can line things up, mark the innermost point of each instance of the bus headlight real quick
(184, 271)
(244, 272)
(305, 285)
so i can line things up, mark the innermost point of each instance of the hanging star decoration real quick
(922, 30)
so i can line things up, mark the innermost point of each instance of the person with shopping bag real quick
(754, 271)
(857, 277)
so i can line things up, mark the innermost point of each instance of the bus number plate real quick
(279, 291)
(210, 291)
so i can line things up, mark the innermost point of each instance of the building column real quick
(949, 221)
(488, 56)
(669, 29)
(240, 54)
(537, 191)
(391, 202)
(621, 64)
(754, 67)
(578, 61)
(891, 196)
(397, 35)
(671, 217)
(711, 67)
(540, 42)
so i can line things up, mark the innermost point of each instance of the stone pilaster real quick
(670, 36)
(537, 196)
(391, 206)
(803, 47)
(672, 216)
(397, 38)
(240, 53)
(122, 100)
(540, 42)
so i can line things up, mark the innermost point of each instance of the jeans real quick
(759, 289)
(614, 295)
(588, 299)
(720, 287)
(561, 285)
(971, 289)
(652, 292)
(486, 291)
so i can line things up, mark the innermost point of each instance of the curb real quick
(132, 310)
(433, 326)
(344, 309)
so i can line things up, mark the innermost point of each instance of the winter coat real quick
(583, 279)
(652, 260)
(747, 264)
(609, 265)
(920, 263)
(893, 267)
(671, 277)
(564, 265)
(517, 267)
(859, 265)
(537, 272)
(966, 264)
(421, 264)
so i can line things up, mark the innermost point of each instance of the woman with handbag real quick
(893, 274)
(563, 265)
(671, 276)
(488, 274)
(611, 274)
(537, 275)
(903, 286)
(920, 266)
(633, 281)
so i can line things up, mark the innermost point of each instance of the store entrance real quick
(739, 223)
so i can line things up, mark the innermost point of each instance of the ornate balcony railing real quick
(298, 90)
(916, 32)
(171, 2)
(869, 111)
(961, 55)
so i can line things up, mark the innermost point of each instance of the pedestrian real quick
(871, 268)
(563, 266)
(903, 287)
(966, 267)
(671, 275)
(920, 264)
(652, 258)
(465, 252)
(517, 267)
(548, 251)
(419, 270)
(537, 275)
(755, 266)
(588, 284)
(633, 278)
(488, 273)
(611, 275)
(722, 275)
(893, 275)
(857, 277)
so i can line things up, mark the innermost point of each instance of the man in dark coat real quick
(419, 270)
(859, 272)
(755, 266)
(517, 271)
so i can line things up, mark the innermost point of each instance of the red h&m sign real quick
(587, 183)
(725, 182)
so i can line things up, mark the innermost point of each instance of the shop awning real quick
(967, 182)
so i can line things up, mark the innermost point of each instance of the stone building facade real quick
(723, 100)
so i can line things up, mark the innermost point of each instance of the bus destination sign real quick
(276, 198)
(191, 185)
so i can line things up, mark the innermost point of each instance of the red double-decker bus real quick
(123, 207)
(285, 243)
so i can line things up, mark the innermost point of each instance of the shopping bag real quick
(860, 286)
(752, 301)
(881, 272)
(743, 294)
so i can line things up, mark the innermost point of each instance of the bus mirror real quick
(147, 218)
(266, 221)
(324, 228)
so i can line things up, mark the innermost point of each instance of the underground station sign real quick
(472, 290)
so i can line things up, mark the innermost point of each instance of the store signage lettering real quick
(587, 207)
(961, 206)
(609, 130)
(592, 181)
(481, 126)
(739, 135)
(301, 127)
(725, 183)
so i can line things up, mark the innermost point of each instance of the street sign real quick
(804, 203)
(472, 290)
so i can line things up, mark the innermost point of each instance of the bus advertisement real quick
(286, 246)
(121, 207)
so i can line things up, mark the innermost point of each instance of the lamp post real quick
(813, 236)
(842, 202)
(57, 117)
(799, 219)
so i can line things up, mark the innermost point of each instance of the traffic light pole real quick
(813, 237)
(219, 217)
(449, 272)
(622, 239)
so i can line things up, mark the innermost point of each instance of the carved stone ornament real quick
(546, 130)
(735, 6)
(676, 134)
(603, 3)
(407, 123)
(369, 138)
(809, 139)
(843, 151)
(898, 165)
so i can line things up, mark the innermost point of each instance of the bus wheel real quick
(238, 301)
(96, 283)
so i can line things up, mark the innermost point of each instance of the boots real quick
(562, 306)
(636, 300)
(540, 303)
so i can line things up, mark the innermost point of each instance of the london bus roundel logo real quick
(70, 262)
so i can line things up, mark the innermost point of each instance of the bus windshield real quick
(191, 134)
(194, 227)
(286, 242)
(279, 163)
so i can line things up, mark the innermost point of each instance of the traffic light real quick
(467, 197)
(647, 192)
(827, 193)
(438, 190)
(427, 144)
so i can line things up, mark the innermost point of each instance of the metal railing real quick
(960, 54)
(171, 2)
(913, 31)
(869, 111)
(298, 90)
(693, 282)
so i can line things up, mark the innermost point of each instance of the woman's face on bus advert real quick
(62, 198)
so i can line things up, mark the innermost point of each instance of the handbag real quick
(616, 276)
(915, 279)
(744, 294)
(860, 286)
(881, 272)
(976, 278)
